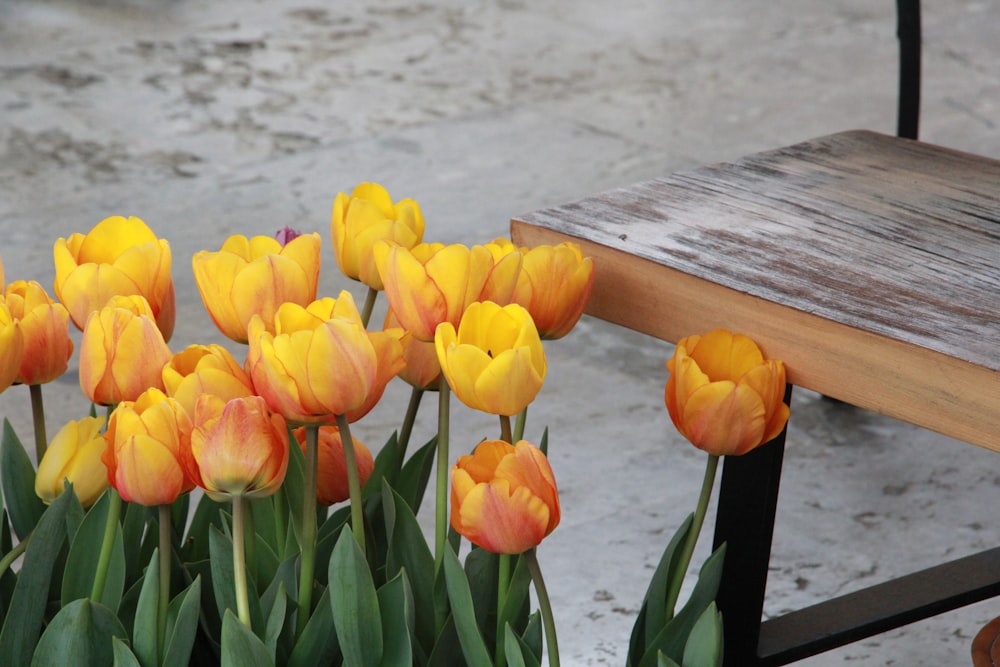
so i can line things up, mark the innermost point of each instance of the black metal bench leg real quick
(908, 32)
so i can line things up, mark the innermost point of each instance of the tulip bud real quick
(74, 455)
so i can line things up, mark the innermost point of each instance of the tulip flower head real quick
(366, 217)
(254, 276)
(11, 346)
(504, 497)
(495, 361)
(332, 484)
(147, 443)
(74, 455)
(205, 369)
(723, 396)
(118, 257)
(122, 353)
(45, 326)
(238, 448)
(422, 369)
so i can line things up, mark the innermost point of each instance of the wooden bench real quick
(870, 265)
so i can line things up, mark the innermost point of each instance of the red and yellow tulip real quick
(11, 346)
(332, 484)
(205, 369)
(45, 326)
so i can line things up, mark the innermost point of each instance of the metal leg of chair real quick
(908, 32)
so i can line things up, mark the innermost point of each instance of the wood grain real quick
(869, 264)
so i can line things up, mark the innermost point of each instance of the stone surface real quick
(208, 119)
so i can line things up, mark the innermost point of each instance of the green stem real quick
(441, 496)
(699, 519)
(13, 554)
(353, 481)
(505, 432)
(548, 621)
(522, 417)
(240, 562)
(503, 584)
(164, 600)
(107, 544)
(38, 417)
(411, 416)
(280, 527)
(308, 546)
(366, 311)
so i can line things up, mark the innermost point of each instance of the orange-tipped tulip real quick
(431, 283)
(422, 369)
(205, 369)
(148, 443)
(504, 498)
(122, 353)
(74, 455)
(320, 362)
(723, 395)
(331, 482)
(238, 448)
(495, 361)
(254, 276)
(366, 217)
(554, 284)
(45, 325)
(118, 257)
(11, 347)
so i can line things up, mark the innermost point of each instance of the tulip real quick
(74, 455)
(238, 448)
(366, 217)
(148, 443)
(504, 497)
(248, 277)
(122, 353)
(332, 484)
(320, 362)
(118, 257)
(432, 283)
(723, 395)
(554, 284)
(11, 346)
(205, 369)
(45, 326)
(495, 361)
(422, 369)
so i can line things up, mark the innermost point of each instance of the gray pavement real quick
(207, 119)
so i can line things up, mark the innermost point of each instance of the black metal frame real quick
(908, 32)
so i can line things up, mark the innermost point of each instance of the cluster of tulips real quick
(117, 566)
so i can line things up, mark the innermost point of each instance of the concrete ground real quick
(208, 119)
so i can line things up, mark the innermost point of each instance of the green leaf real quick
(295, 481)
(395, 601)
(123, 654)
(27, 608)
(518, 653)
(223, 578)
(133, 528)
(81, 563)
(144, 631)
(17, 477)
(355, 604)
(664, 661)
(447, 648)
(80, 634)
(704, 644)
(532, 636)
(240, 646)
(386, 466)
(207, 513)
(408, 550)
(276, 620)
(180, 638)
(473, 647)
(416, 472)
(318, 644)
(516, 606)
(482, 570)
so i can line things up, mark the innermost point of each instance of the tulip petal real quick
(503, 522)
(509, 383)
(723, 418)
(147, 472)
(725, 356)
(111, 237)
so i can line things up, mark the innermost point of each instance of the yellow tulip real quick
(432, 283)
(331, 481)
(118, 257)
(254, 276)
(11, 346)
(205, 369)
(238, 448)
(495, 361)
(504, 497)
(74, 455)
(147, 443)
(320, 362)
(366, 217)
(45, 326)
(122, 353)
(723, 395)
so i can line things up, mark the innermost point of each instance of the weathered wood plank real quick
(870, 264)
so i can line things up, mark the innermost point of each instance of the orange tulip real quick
(45, 325)
(332, 472)
(238, 448)
(364, 218)
(723, 395)
(118, 257)
(432, 283)
(503, 497)
(148, 441)
(11, 346)
(205, 369)
(248, 277)
(74, 455)
(122, 353)
(320, 362)
(422, 369)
